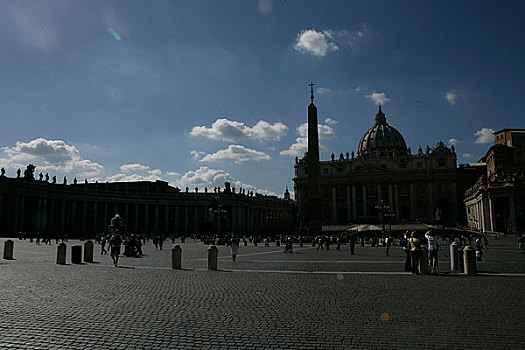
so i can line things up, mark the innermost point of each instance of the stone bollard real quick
(61, 254)
(278, 243)
(424, 267)
(8, 249)
(454, 263)
(213, 254)
(469, 261)
(176, 257)
(88, 252)
(76, 254)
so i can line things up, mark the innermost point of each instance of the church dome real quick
(381, 137)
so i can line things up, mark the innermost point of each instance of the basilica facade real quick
(385, 177)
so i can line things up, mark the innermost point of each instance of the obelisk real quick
(314, 173)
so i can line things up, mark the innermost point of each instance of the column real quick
(136, 218)
(43, 217)
(156, 220)
(334, 204)
(105, 218)
(146, 218)
(186, 220)
(176, 221)
(166, 218)
(196, 219)
(16, 215)
(348, 207)
(234, 218)
(38, 214)
(354, 205)
(491, 213)
(430, 201)
(62, 216)
(96, 226)
(412, 208)
(73, 225)
(482, 212)
(365, 204)
(126, 216)
(390, 201)
(84, 216)
(453, 206)
(1, 219)
(512, 212)
(379, 194)
(396, 200)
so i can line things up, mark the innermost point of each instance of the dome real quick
(381, 137)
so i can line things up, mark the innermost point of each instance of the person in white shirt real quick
(433, 247)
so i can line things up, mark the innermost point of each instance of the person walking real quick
(388, 243)
(115, 243)
(433, 248)
(351, 241)
(405, 244)
(415, 252)
(235, 248)
(103, 245)
(320, 242)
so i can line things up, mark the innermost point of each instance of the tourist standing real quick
(352, 244)
(415, 252)
(388, 243)
(405, 244)
(235, 248)
(433, 247)
(115, 243)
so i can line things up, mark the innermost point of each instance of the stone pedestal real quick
(176, 257)
(76, 254)
(424, 268)
(469, 261)
(213, 254)
(61, 254)
(454, 256)
(8, 249)
(88, 252)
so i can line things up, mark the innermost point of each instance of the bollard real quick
(213, 254)
(8, 249)
(469, 261)
(88, 252)
(176, 257)
(454, 264)
(61, 254)
(76, 254)
(424, 268)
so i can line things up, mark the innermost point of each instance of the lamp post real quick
(218, 212)
(385, 211)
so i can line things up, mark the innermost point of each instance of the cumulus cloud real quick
(378, 98)
(467, 155)
(324, 131)
(330, 121)
(49, 155)
(210, 178)
(233, 131)
(315, 43)
(323, 90)
(454, 141)
(136, 172)
(485, 135)
(236, 154)
(451, 97)
(132, 177)
(197, 154)
(296, 149)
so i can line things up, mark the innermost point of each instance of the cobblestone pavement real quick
(267, 299)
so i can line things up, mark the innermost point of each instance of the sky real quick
(197, 93)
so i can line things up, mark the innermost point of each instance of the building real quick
(496, 202)
(386, 178)
(78, 209)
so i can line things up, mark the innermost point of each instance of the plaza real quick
(308, 299)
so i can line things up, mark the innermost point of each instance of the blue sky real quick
(200, 92)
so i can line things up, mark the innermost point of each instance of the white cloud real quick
(50, 155)
(454, 141)
(132, 177)
(331, 121)
(324, 131)
(378, 97)
(197, 154)
(316, 43)
(485, 135)
(172, 174)
(210, 178)
(323, 90)
(467, 155)
(236, 154)
(451, 97)
(296, 149)
(233, 131)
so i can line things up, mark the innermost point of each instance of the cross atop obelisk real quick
(311, 85)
